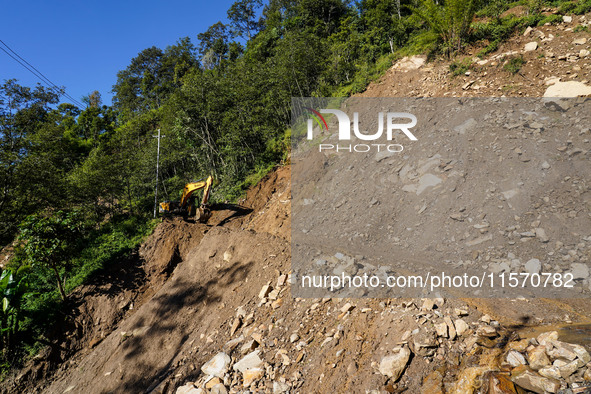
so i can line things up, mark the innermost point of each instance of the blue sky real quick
(82, 44)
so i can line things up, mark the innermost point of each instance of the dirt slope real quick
(562, 54)
(213, 296)
(174, 290)
(196, 291)
(165, 331)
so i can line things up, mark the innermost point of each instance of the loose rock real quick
(537, 357)
(265, 291)
(568, 89)
(189, 388)
(251, 375)
(393, 366)
(218, 389)
(515, 359)
(530, 46)
(461, 327)
(533, 266)
(250, 361)
(217, 366)
(529, 380)
(441, 329)
(280, 388)
(580, 270)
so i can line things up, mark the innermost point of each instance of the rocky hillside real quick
(209, 308)
(224, 321)
(546, 55)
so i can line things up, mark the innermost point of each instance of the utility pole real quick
(157, 164)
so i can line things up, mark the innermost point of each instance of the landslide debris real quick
(209, 308)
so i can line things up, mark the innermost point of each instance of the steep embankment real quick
(227, 298)
(556, 61)
(210, 308)
(134, 329)
(545, 55)
(225, 320)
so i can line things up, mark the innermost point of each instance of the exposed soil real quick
(192, 290)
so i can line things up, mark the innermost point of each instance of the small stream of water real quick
(571, 333)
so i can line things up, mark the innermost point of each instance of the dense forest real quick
(77, 184)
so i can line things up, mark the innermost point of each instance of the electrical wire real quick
(41, 77)
(36, 72)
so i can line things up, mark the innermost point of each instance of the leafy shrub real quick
(14, 286)
(552, 19)
(491, 47)
(451, 21)
(497, 30)
(459, 68)
(582, 7)
(421, 42)
(514, 64)
(493, 9)
(534, 7)
(567, 7)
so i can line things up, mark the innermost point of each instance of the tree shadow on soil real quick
(239, 211)
(162, 325)
(113, 279)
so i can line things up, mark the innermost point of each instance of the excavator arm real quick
(203, 213)
(194, 186)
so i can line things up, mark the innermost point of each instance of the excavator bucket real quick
(203, 214)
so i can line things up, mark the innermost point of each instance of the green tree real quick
(451, 21)
(213, 45)
(95, 122)
(243, 18)
(136, 89)
(50, 241)
(344, 52)
(383, 25)
(178, 60)
(320, 17)
(151, 77)
(93, 99)
(23, 111)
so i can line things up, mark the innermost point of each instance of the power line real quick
(29, 64)
(36, 72)
(41, 77)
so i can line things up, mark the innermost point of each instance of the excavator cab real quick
(168, 207)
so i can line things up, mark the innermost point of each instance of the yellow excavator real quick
(187, 205)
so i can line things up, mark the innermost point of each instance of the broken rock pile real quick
(547, 365)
